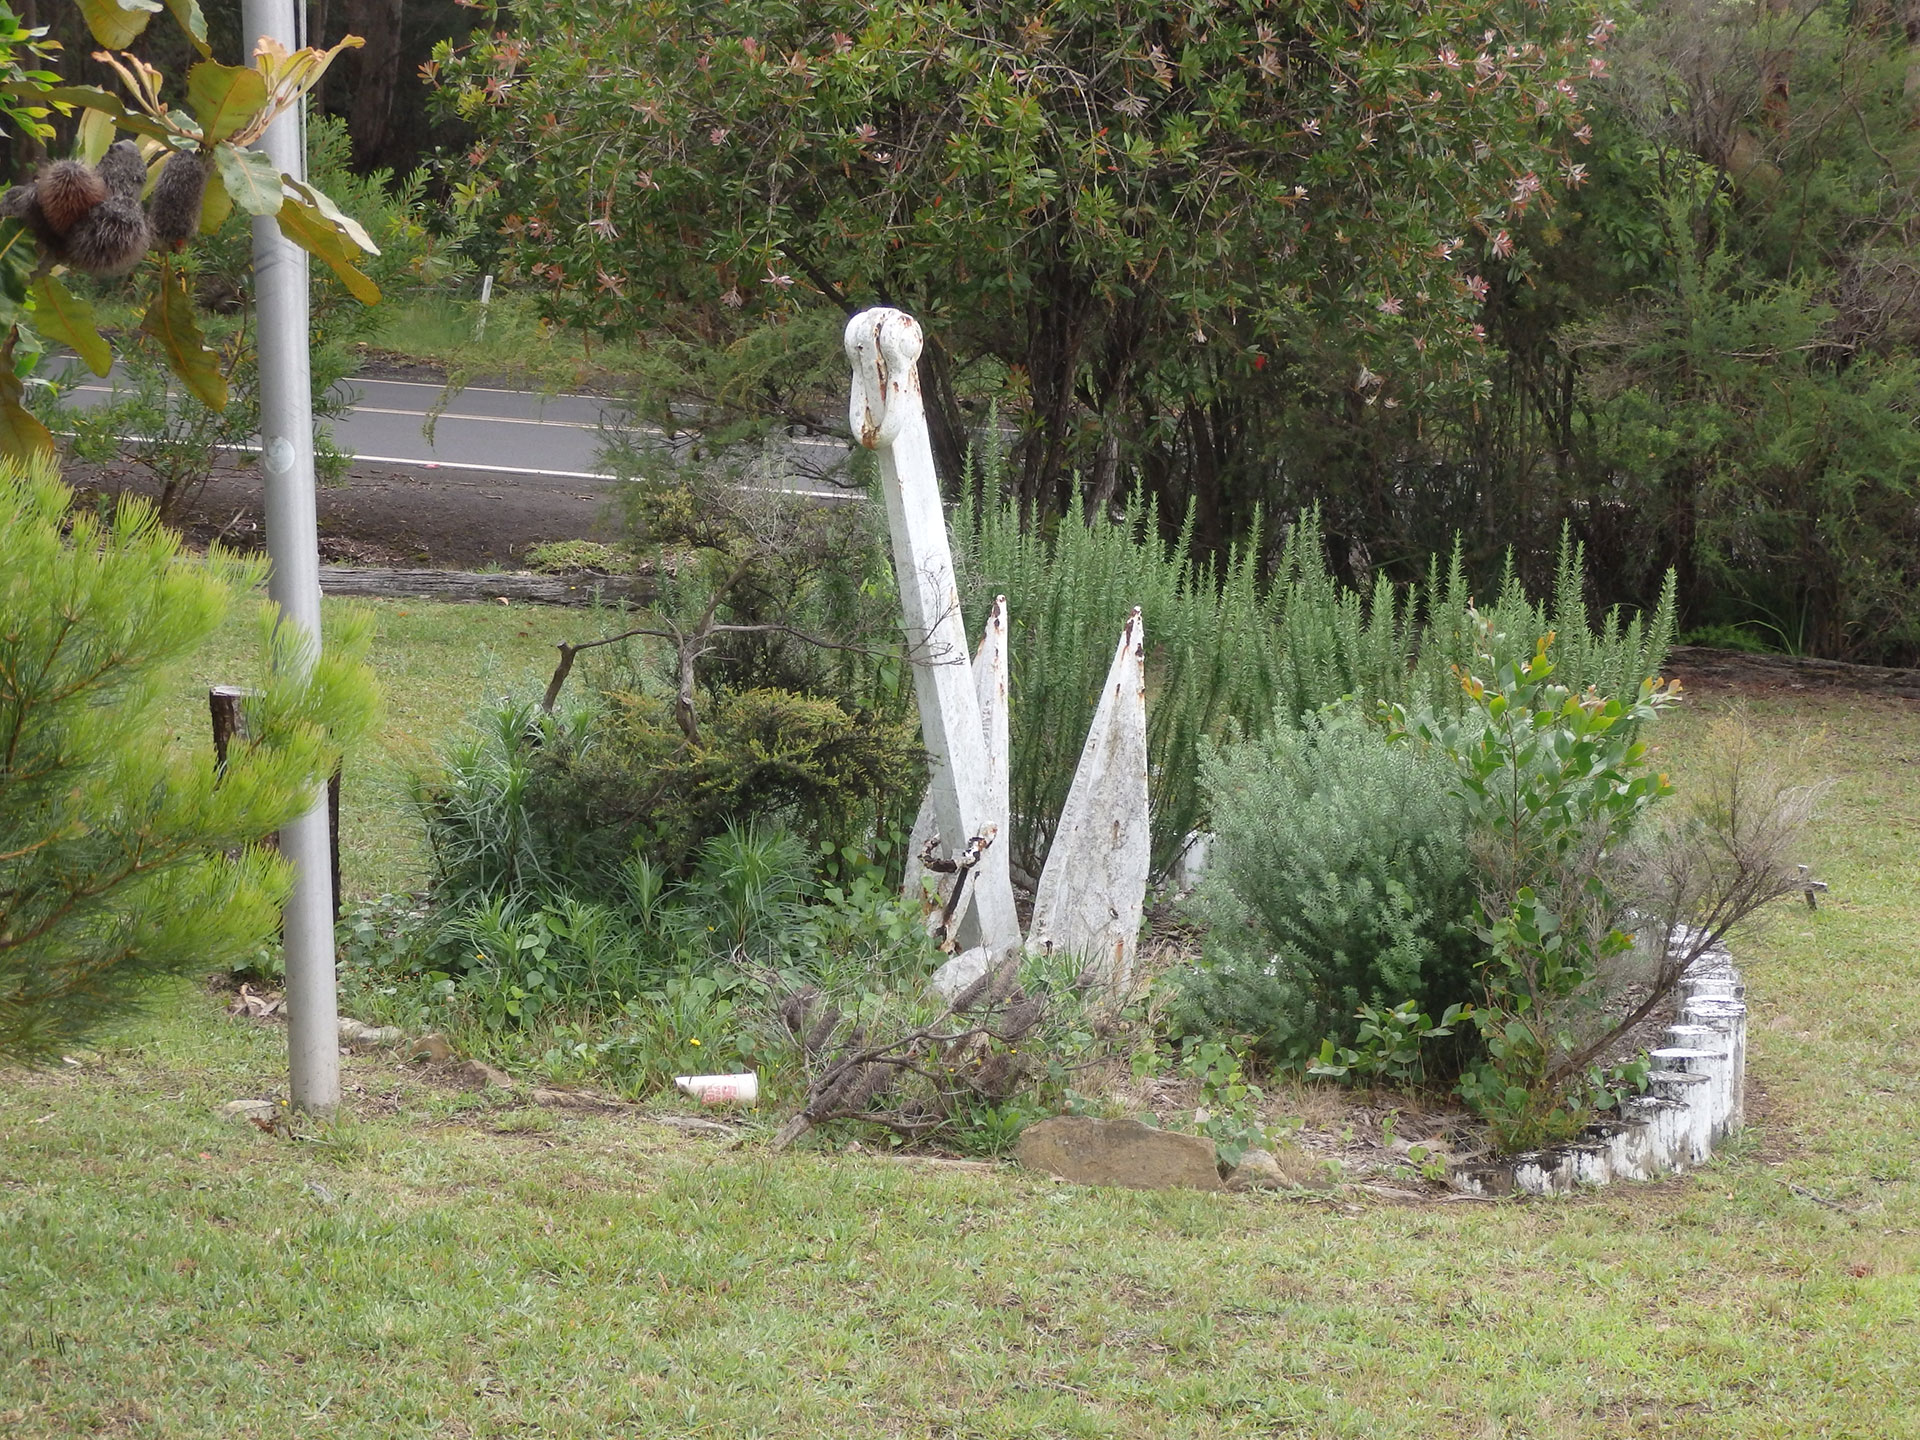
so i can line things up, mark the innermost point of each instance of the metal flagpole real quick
(286, 441)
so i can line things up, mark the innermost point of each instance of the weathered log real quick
(1736, 666)
(477, 587)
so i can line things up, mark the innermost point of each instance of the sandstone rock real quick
(433, 1049)
(1257, 1170)
(1118, 1152)
(482, 1076)
(356, 1035)
(245, 1110)
(1289, 1168)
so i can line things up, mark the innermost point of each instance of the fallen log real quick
(476, 587)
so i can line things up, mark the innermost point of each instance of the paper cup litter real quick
(720, 1089)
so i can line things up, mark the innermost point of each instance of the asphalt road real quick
(511, 434)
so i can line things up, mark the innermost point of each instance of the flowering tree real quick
(1120, 216)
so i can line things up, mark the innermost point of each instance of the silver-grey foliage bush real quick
(1340, 876)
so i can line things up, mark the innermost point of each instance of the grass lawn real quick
(435, 662)
(446, 1264)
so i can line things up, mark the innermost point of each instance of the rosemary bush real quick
(1232, 643)
(1213, 653)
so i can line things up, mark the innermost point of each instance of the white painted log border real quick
(1696, 1098)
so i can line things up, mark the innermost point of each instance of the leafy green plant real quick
(1212, 656)
(1389, 1045)
(1229, 1110)
(1227, 647)
(1555, 783)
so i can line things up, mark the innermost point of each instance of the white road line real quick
(582, 475)
(476, 389)
(482, 419)
(486, 469)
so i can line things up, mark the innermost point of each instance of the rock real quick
(358, 1036)
(1257, 1170)
(573, 1099)
(1118, 1152)
(246, 1110)
(481, 1076)
(692, 1125)
(433, 1049)
(965, 969)
(1289, 1168)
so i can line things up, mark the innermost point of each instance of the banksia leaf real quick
(21, 436)
(187, 13)
(252, 180)
(224, 99)
(116, 24)
(215, 205)
(353, 229)
(170, 321)
(315, 234)
(61, 315)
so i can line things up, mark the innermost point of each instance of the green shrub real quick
(1340, 877)
(533, 802)
(1554, 783)
(123, 860)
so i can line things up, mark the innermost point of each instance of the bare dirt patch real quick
(390, 515)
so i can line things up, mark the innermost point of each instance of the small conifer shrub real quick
(124, 858)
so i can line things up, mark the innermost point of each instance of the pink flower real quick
(1596, 67)
(1478, 332)
(604, 227)
(1584, 134)
(1449, 57)
(1503, 244)
(718, 135)
(733, 299)
(1576, 175)
(1388, 306)
(1525, 188)
(1310, 125)
(782, 282)
(1476, 287)
(1600, 33)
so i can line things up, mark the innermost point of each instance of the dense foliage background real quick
(1249, 253)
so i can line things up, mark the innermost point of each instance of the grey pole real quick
(293, 544)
